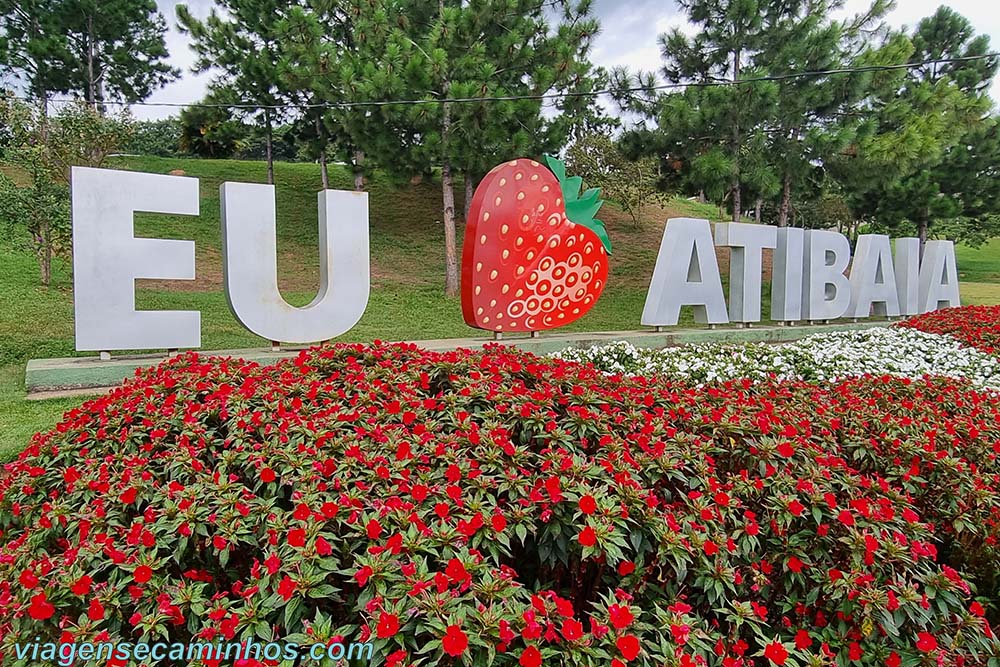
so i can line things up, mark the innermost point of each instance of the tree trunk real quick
(45, 253)
(324, 173)
(756, 210)
(359, 171)
(448, 199)
(737, 195)
(786, 200)
(269, 145)
(91, 88)
(702, 199)
(470, 191)
(43, 99)
(922, 224)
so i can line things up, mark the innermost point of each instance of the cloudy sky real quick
(629, 30)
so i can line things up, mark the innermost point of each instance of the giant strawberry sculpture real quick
(534, 257)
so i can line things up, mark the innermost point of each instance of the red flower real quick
(530, 657)
(388, 625)
(795, 565)
(786, 449)
(976, 609)
(499, 522)
(456, 570)
(572, 629)
(142, 574)
(82, 585)
(796, 508)
(95, 611)
(845, 517)
(454, 641)
(267, 475)
(286, 588)
(628, 646)
(396, 658)
(803, 640)
(362, 575)
(272, 563)
(28, 579)
(776, 653)
(893, 660)
(374, 529)
(926, 642)
(588, 505)
(625, 568)
(40, 608)
(587, 537)
(620, 616)
(680, 608)
(297, 537)
(854, 651)
(710, 548)
(680, 633)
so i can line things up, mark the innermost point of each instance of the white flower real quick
(827, 356)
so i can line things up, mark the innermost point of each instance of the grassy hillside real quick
(407, 253)
(407, 274)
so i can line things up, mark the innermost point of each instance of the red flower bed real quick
(506, 509)
(977, 326)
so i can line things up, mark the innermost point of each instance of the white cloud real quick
(190, 87)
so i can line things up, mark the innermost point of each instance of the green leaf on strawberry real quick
(580, 208)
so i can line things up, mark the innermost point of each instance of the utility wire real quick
(549, 96)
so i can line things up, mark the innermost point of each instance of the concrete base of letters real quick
(73, 376)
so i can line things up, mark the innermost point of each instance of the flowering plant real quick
(978, 326)
(496, 508)
(826, 356)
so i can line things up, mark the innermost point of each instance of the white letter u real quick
(250, 265)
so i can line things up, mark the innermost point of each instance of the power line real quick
(551, 96)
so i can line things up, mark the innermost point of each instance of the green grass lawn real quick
(407, 301)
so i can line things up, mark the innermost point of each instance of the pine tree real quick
(241, 42)
(99, 49)
(34, 46)
(930, 139)
(814, 117)
(325, 44)
(714, 131)
(475, 49)
(119, 49)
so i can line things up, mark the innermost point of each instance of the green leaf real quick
(557, 167)
(580, 208)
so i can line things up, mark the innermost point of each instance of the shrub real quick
(978, 326)
(497, 508)
(156, 137)
(41, 149)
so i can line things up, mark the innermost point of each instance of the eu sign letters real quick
(108, 259)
